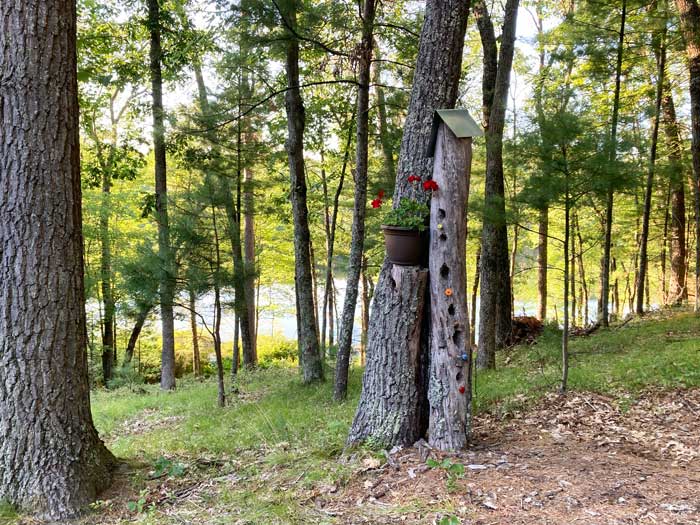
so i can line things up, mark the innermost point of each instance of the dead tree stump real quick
(449, 390)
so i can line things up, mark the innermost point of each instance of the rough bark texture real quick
(603, 311)
(495, 307)
(52, 462)
(360, 206)
(543, 232)
(392, 408)
(677, 290)
(435, 86)
(167, 279)
(309, 354)
(449, 387)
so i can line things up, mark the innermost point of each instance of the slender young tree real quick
(309, 351)
(360, 206)
(604, 314)
(52, 462)
(167, 279)
(660, 49)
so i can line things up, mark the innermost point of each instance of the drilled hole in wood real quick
(451, 309)
(457, 338)
(441, 213)
(444, 271)
(458, 377)
(443, 237)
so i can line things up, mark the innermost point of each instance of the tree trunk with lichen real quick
(52, 462)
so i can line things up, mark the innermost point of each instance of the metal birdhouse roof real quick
(460, 123)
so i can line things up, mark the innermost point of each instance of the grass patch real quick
(658, 351)
(280, 440)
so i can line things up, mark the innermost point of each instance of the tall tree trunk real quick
(475, 291)
(196, 359)
(582, 272)
(495, 307)
(690, 26)
(108, 347)
(677, 291)
(565, 331)
(649, 187)
(52, 462)
(216, 332)
(393, 404)
(605, 261)
(249, 255)
(167, 277)
(360, 207)
(330, 222)
(309, 354)
(542, 262)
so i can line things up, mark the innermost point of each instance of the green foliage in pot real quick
(408, 214)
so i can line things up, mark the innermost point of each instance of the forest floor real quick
(622, 447)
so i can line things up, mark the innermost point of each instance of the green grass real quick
(282, 439)
(659, 351)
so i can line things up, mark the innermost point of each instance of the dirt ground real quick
(577, 459)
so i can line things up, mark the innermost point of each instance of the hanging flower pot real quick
(403, 245)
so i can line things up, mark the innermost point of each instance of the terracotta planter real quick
(403, 245)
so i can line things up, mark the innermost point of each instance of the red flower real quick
(376, 203)
(413, 178)
(430, 185)
(380, 194)
(462, 389)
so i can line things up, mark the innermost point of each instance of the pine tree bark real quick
(677, 290)
(393, 404)
(167, 278)
(495, 307)
(309, 353)
(52, 462)
(384, 137)
(360, 205)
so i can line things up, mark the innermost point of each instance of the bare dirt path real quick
(580, 459)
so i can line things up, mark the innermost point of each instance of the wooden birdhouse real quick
(450, 364)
